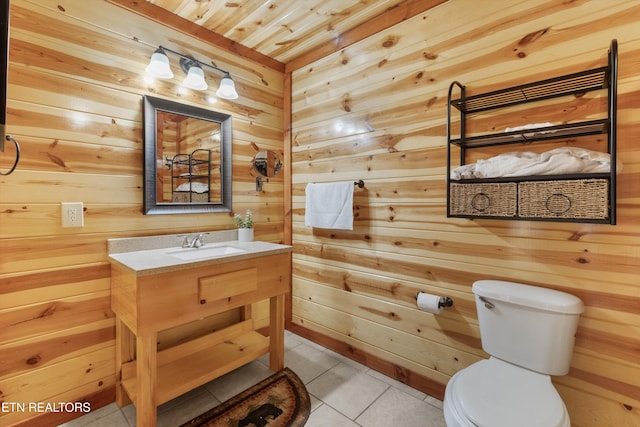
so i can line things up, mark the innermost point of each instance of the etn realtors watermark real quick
(43, 407)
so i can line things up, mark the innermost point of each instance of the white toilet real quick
(529, 333)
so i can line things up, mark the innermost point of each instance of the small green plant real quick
(247, 222)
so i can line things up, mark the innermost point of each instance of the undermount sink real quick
(206, 252)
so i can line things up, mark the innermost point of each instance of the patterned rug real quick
(278, 401)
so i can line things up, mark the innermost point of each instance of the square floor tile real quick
(347, 389)
(107, 416)
(291, 340)
(398, 384)
(396, 408)
(186, 407)
(344, 359)
(325, 416)
(308, 362)
(237, 381)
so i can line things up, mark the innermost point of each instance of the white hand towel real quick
(329, 205)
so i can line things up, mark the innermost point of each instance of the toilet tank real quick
(527, 326)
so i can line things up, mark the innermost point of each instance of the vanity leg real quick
(146, 376)
(246, 312)
(276, 333)
(125, 352)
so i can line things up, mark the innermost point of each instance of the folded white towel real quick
(329, 205)
(563, 160)
(196, 187)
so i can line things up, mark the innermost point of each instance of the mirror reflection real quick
(191, 151)
(267, 163)
(187, 158)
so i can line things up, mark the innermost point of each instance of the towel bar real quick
(359, 183)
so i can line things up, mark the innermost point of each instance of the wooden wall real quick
(75, 105)
(376, 111)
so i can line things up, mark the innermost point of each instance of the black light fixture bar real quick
(192, 59)
(159, 67)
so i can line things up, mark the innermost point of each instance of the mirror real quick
(187, 158)
(265, 164)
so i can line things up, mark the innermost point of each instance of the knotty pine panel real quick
(569, 256)
(35, 220)
(39, 293)
(75, 105)
(594, 381)
(47, 317)
(400, 291)
(35, 386)
(442, 271)
(97, 393)
(134, 35)
(303, 27)
(446, 330)
(376, 111)
(28, 355)
(591, 409)
(444, 360)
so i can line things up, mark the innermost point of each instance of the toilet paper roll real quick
(429, 303)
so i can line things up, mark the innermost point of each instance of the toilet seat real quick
(493, 393)
(452, 415)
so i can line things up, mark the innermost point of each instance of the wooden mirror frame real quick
(151, 205)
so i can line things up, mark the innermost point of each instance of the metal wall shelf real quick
(602, 78)
(592, 127)
(191, 163)
(570, 84)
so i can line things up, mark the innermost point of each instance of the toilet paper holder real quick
(444, 301)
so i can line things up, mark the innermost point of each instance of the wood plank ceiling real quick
(284, 30)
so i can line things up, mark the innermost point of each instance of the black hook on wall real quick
(10, 138)
(4, 70)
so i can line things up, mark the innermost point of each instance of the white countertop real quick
(155, 261)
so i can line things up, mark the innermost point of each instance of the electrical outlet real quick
(72, 214)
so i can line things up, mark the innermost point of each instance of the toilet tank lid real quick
(529, 296)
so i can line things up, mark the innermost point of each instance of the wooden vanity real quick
(151, 298)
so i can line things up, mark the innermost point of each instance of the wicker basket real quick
(484, 199)
(190, 197)
(573, 199)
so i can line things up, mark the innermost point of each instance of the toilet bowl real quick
(493, 393)
(529, 334)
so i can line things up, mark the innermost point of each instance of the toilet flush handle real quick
(487, 303)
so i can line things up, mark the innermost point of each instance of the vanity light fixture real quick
(227, 88)
(195, 75)
(159, 67)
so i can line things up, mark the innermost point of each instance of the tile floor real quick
(343, 393)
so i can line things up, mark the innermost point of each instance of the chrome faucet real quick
(195, 242)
